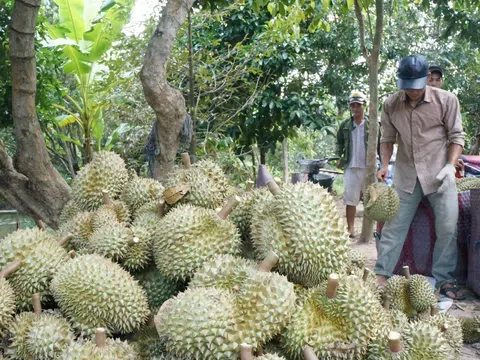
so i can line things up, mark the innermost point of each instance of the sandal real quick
(454, 290)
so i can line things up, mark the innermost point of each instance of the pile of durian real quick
(198, 269)
(467, 183)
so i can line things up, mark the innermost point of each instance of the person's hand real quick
(447, 177)
(382, 174)
(460, 165)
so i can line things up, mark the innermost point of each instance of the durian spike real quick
(72, 254)
(433, 309)
(37, 304)
(100, 337)
(106, 197)
(274, 188)
(269, 262)
(386, 303)
(134, 240)
(40, 224)
(250, 185)
(186, 160)
(406, 272)
(366, 271)
(10, 268)
(228, 207)
(246, 352)
(394, 342)
(65, 239)
(332, 286)
(309, 354)
(161, 207)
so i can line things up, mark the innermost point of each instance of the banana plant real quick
(85, 32)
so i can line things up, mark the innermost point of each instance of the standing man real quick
(435, 76)
(352, 139)
(426, 123)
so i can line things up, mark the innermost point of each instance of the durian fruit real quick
(381, 202)
(471, 329)
(424, 341)
(158, 289)
(69, 211)
(389, 347)
(150, 346)
(41, 257)
(17, 348)
(7, 297)
(94, 292)
(81, 228)
(101, 349)
(208, 186)
(189, 235)
(246, 353)
(465, 184)
(397, 292)
(451, 329)
(139, 253)
(106, 171)
(421, 292)
(140, 191)
(112, 241)
(103, 216)
(301, 224)
(357, 260)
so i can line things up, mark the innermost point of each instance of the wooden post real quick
(269, 262)
(186, 160)
(37, 304)
(309, 354)
(395, 342)
(246, 352)
(10, 268)
(100, 337)
(228, 207)
(106, 197)
(406, 272)
(332, 286)
(161, 208)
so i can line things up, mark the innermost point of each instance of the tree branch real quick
(361, 25)
(377, 40)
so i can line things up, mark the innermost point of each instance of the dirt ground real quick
(464, 308)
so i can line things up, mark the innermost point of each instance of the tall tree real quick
(29, 181)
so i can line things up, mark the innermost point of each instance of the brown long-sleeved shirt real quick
(423, 134)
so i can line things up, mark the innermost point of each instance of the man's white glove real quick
(447, 176)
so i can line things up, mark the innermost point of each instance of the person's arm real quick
(387, 140)
(455, 134)
(454, 153)
(340, 141)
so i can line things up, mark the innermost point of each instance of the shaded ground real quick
(465, 308)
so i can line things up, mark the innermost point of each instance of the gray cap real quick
(412, 73)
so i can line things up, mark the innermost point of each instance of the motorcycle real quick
(313, 170)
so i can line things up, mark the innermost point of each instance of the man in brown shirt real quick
(426, 124)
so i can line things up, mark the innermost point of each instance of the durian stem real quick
(274, 188)
(66, 239)
(161, 207)
(406, 272)
(249, 186)
(246, 352)
(269, 262)
(37, 304)
(10, 268)
(134, 240)
(395, 342)
(309, 354)
(72, 254)
(386, 303)
(40, 224)
(332, 286)
(366, 271)
(433, 309)
(186, 160)
(228, 207)
(106, 197)
(277, 180)
(444, 327)
(100, 337)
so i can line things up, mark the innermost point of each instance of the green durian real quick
(69, 211)
(81, 227)
(301, 224)
(41, 257)
(451, 329)
(424, 341)
(7, 305)
(471, 329)
(94, 292)
(113, 350)
(106, 171)
(398, 294)
(422, 295)
(150, 346)
(140, 191)
(48, 336)
(158, 289)
(149, 214)
(357, 260)
(468, 183)
(17, 348)
(104, 216)
(188, 236)
(139, 254)
(208, 185)
(381, 202)
(112, 241)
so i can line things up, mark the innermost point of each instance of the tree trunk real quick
(167, 102)
(372, 62)
(476, 147)
(30, 183)
(191, 94)
(263, 156)
(285, 159)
